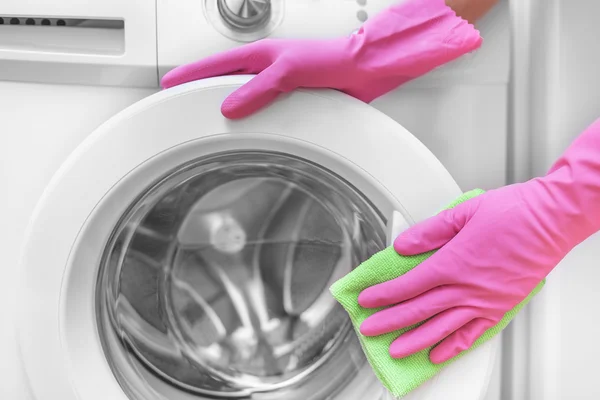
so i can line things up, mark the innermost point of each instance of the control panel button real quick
(245, 14)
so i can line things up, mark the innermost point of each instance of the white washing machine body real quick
(65, 352)
(58, 83)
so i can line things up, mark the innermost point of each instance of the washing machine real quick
(155, 250)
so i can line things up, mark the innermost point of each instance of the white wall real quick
(577, 91)
(557, 94)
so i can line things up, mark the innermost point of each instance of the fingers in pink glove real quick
(411, 312)
(428, 235)
(431, 332)
(460, 340)
(262, 90)
(253, 58)
(414, 283)
(249, 59)
(434, 232)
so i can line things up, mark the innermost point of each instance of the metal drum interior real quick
(215, 281)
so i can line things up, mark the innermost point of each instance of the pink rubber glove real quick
(399, 44)
(496, 248)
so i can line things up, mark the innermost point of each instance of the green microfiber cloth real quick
(400, 376)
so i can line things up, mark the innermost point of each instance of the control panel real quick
(134, 43)
(188, 30)
(245, 16)
(93, 42)
(250, 20)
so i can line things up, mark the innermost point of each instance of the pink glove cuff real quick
(415, 36)
(574, 184)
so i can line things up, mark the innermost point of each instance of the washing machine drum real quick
(217, 278)
(179, 255)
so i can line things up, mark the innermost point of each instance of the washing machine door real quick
(179, 255)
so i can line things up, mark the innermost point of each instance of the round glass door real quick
(215, 282)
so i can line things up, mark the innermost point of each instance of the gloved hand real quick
(493, 250)
(399, 44)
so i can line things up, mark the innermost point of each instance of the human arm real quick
(471, 10)
(401, 43)
(493, 250)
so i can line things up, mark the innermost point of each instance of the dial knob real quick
(245, 14)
